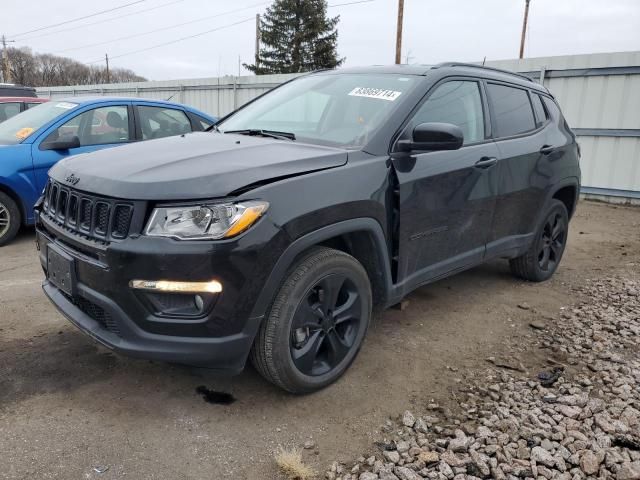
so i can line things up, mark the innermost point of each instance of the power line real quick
(162, 29)
(350, 3)
(101, 21)
(175, 41)
(205, 33)
(78, 18)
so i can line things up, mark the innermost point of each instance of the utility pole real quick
(399, 32)
(524, 27)
(106, 58)
(257, 40)
(6, 69)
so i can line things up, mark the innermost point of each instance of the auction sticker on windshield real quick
(379, 93)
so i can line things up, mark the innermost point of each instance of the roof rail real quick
(473, 65)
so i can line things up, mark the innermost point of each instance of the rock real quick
(540, 455)
(569, 411)
(309, 444)
(445, 470)
(404, 473)
(368, 476)
(408, 420)
(524, 306)
(429, 457)
(391, 456)
(460, 443)
(402, 446)
(629, 471)
(537, 325)
(421, 426)
(590, 463)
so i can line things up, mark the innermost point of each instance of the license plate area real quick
(60, 270)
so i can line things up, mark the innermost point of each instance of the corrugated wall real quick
(599, 95)
(217, 96)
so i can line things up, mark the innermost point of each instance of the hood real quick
(192, 166)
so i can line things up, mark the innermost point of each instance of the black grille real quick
(98, 313)
(95, 217)
(121, 221)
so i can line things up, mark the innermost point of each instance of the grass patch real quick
(292, 466)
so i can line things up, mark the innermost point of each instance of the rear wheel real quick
(10, 219)
(540, 262)
(316, 324)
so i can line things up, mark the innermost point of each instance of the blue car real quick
(33, 141)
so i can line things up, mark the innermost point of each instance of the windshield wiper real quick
(264, 133)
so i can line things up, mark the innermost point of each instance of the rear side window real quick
(541, 113)
(511, 109)
(160, 122)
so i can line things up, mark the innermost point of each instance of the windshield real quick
(334, 109)
(18, 128)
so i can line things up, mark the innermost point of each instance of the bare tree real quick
(46, 70)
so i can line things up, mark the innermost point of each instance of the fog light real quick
(179, 287)
(199, 302)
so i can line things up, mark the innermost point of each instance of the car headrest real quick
(114, 120)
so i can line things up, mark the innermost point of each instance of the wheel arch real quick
(16, 198)
(567, 194)
(363, 238)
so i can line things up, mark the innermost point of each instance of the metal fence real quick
(599, 95)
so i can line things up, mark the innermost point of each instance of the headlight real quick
(200, 222)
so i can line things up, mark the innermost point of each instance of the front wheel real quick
(316, 324)
(10, 219)
(540, 262)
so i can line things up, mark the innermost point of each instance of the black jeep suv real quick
(274, 235)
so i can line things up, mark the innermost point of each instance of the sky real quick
(434, 31)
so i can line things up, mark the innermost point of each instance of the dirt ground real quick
(68, 406)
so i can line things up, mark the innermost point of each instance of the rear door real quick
(447, 198)
(159, 121)
(524, 171)
(99, 127)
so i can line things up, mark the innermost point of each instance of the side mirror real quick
(61, 144)
(434, 136)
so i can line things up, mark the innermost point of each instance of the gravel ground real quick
(577, 419)
(69, 409)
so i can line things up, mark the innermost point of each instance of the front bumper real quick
(228, 354)
(103, 306)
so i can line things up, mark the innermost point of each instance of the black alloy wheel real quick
(325, 325)
(316, 324)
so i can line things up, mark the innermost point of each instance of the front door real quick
(446, 198)
(98, 128)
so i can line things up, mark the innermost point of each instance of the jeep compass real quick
(274, 235)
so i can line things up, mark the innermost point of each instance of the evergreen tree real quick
(297, 36)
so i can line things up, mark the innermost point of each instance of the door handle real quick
(547, 149)
(486, 162)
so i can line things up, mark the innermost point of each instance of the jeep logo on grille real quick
(72, 179)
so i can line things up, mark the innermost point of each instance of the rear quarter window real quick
(541, 113)
(512, 111)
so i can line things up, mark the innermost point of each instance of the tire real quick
(541, 261)
(305, 343)
(10, 219)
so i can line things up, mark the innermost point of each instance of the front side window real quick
(8, 110)
(512, 112)
(20, 127)
(99, 126)
(159, 122)
(330, 109)
(458, 103)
